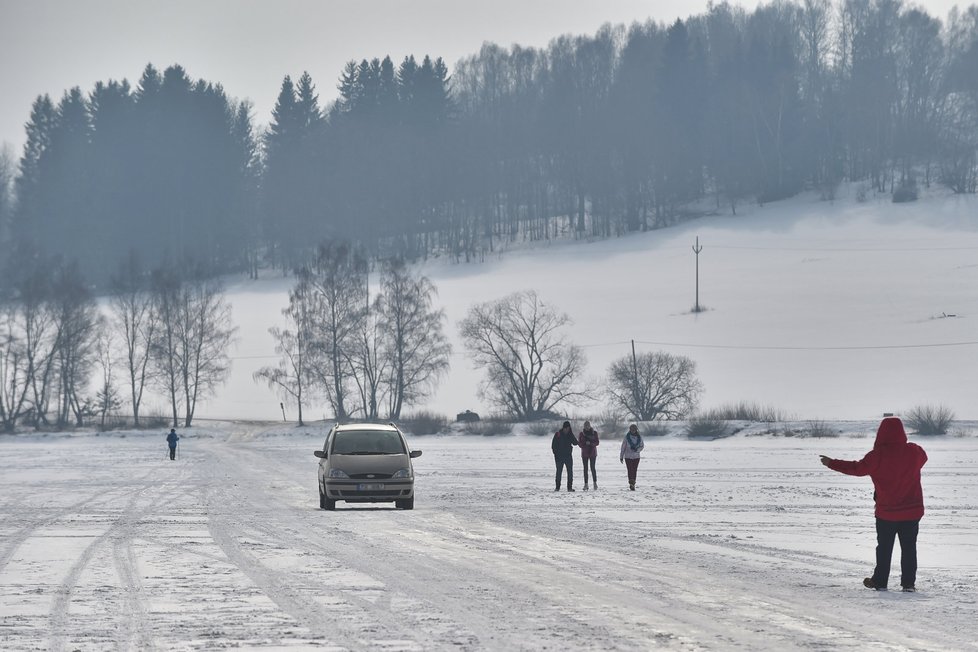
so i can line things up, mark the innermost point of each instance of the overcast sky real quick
(48, 46)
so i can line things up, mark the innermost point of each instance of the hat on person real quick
(567, 424)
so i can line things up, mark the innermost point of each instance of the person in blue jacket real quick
(171, 441)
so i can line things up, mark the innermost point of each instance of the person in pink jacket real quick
(894, 466)
(588, 441)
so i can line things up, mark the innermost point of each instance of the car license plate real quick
(370, 487)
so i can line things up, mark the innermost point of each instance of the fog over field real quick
(822, 309)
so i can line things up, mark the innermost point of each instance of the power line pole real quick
(635, 388)
(696, 250)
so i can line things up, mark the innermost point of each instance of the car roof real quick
(366, 426)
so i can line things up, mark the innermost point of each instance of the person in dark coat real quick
(588, 441)
(563, 446)
(171, 441)
(894, 466)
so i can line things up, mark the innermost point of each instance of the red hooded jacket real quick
(894, 465)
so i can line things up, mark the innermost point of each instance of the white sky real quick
(48, 46)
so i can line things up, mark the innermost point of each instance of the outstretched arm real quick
(865, 466)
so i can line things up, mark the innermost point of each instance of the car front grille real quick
(371, 476)
(383, 493)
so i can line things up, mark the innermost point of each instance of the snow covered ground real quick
(825, 310)
(742, 543)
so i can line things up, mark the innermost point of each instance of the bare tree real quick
(654, 385)
(14, 381)
(133, 306)
(77, 322)
(338, 280)
(530, 366)
(106, 396)
(416, 349)
(291, 376)
(368, 365)
(191, 347)
(40, 337)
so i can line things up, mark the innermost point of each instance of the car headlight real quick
(403, 473)
(336, 473)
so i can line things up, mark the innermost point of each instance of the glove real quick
(621, 459)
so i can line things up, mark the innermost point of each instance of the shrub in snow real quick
(490, 427)
(424, 423)
(654, 430)
(905, 193)
(930, 420)
(707, 426)
(747, 411)
(543, 428)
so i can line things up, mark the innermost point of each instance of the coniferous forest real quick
(632, 128)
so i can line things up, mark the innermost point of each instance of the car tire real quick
(407, 503)
(324, 502)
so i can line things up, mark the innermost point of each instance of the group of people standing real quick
(587, 440)
(894, 466)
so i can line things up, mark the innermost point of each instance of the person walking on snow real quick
(631, 453)
(588, 441)
(894, 465)
(563, 446)
(171, 441)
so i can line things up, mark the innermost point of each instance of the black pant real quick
(173, 451)
(561, 463)
(594, 473)
(886, 532)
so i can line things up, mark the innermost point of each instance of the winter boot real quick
(571, 489)
(909, 589)
(585, 486)
(631, 486)
(870, 584)
(557, 488)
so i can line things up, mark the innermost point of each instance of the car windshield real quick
(367, 442)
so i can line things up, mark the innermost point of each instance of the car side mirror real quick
(321, 454)
(415, 453)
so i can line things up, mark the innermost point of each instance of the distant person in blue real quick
(171, 441)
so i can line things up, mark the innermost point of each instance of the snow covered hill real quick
(824, 310)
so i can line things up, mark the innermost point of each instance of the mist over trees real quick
(628, 129)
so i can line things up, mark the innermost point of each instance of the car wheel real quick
(407, 503)
(324, 502)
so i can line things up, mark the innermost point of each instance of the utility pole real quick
(696, 250)
(635, 387)
(282, 405)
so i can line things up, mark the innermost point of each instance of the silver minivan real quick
(366, 463)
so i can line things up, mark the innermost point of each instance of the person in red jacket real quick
(894, 465)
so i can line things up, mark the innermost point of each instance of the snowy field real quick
(825, 310)
(745, 543)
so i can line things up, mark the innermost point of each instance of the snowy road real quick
(745, 543)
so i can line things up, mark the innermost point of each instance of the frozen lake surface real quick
(742, 543)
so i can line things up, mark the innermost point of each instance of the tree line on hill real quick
(591, 136)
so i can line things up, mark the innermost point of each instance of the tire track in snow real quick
(135, 628)
(402, 583)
